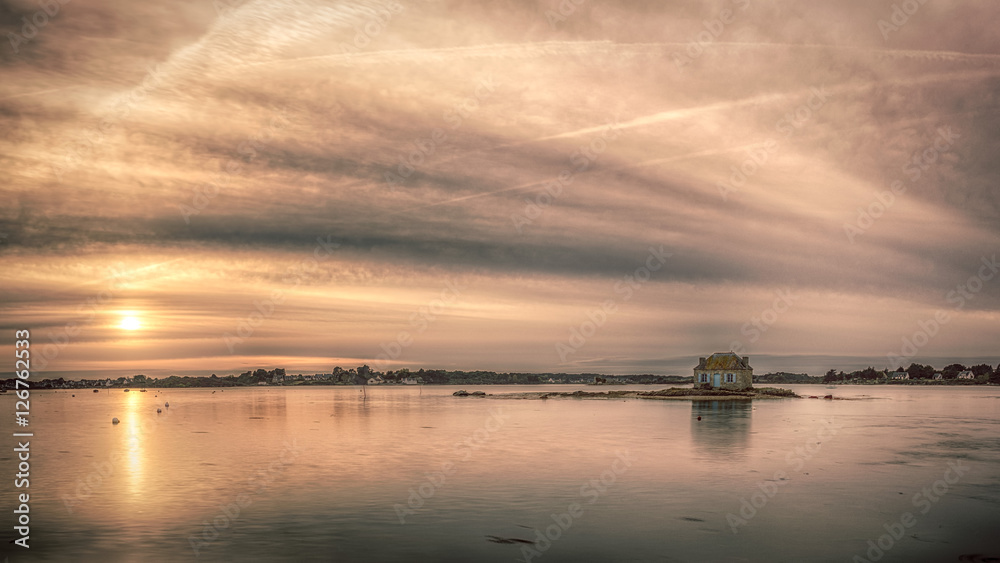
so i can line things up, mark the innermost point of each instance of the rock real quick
(158, 411)
(115, 420)
(478, 393)
(166, 404)
(828, 397)
(461, 393)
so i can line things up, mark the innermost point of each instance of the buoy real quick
(115, 420)
(699, 418)
(159, 411)
(166, 404)
(73, 395)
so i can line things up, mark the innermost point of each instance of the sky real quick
(194, 187)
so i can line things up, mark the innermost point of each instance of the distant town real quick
(916, 374)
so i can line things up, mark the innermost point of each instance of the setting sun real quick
(130, 323)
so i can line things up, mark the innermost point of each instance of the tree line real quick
(983, 373)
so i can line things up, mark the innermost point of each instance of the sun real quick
(130, 323)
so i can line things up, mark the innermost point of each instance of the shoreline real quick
(671, 394)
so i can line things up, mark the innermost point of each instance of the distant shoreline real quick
(45, 385)
(671, 394)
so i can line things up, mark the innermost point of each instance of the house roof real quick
(723, 360)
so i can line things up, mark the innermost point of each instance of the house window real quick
(729, 378)
(704, 378)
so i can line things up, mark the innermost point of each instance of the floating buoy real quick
(166, 404)
(159, 411)
(74, 395)
(699, 418)
(115, 420)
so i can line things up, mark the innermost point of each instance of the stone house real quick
(724, 370)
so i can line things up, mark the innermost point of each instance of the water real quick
(323, 474)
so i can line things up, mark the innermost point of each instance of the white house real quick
(899, 375)
(966, 375)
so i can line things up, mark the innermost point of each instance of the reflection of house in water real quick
(724, 428)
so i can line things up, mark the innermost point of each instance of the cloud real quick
(210, 151)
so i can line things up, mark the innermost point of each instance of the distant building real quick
(938, 376)
(724, 370)
(966, 375)
(377, 380)
(899, 375)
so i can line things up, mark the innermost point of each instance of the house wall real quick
(742, 379)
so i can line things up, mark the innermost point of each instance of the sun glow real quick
(130, 323)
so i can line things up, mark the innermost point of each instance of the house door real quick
(716, 379)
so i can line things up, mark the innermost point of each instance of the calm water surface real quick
(414, 474)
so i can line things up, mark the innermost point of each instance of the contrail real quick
(693, 112)
(544, 48)
(653, 162)
(39, 93)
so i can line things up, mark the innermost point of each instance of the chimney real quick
(746, 360)
(701, 360)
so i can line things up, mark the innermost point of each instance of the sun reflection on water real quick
(137, 432)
